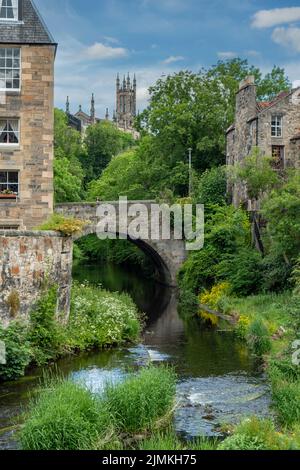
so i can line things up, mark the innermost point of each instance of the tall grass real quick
(65, 416)
(141, 401)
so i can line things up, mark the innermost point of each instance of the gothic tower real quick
(126, 102)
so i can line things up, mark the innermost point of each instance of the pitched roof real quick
(263, 105)
(29, 29)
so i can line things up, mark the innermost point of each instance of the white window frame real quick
(15, 7)
(10, 182)
(12, 68)
(16, 133)
(277, 125)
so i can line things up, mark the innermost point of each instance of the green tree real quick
(103, 141)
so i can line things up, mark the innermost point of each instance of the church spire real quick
(118, 82)
(107, 114)
(93, 113)
(128, 82)
(68, 106)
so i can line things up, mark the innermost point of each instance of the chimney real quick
(246, 99)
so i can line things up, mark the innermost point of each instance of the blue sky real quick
(98, 38)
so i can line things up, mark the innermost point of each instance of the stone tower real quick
(126, 102)
(27, 53)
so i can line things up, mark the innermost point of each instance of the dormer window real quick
(9, 10)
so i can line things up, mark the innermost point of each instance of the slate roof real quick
(30, 29)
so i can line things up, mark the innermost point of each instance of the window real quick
(9, 132)
(278, 157)
(9, 68)
(9, 183)
(276, 126)
(9, 10)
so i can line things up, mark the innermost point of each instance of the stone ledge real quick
(25, 233)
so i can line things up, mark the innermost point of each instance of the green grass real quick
(65, 416)
(168, 440)
(142, 401)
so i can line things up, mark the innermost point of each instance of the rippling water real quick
(218, 381)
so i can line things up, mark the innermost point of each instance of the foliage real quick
(68, 180)
(212, 186)
(68, 172)
(256, 172)
(285, 379)
(259, 338)
(258, 434)
(18, 352)
(99, 318)
(212, 299)
(141, 401)
(65, 416)
(45, 334)
(168, 440)
(227, 230)
(102, 142)
(66, 225)
(243, 271)
(282, 211)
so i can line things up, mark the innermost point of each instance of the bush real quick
(99, 318)
(257, 434)
(276, 273)
(45, 333)
(243, 271)
(212, 187)
(259, 338)
(212, 299)
(65, 417)
(66, 225)
(141, 401)
(18, 352)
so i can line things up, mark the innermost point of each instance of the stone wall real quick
(26, 260)
(33, 157)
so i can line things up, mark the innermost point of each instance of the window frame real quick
(278, 119)
(11, 69)
(10, 183)
(15, 10)
(17, 133)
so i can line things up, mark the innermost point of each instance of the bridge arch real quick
(161, 263)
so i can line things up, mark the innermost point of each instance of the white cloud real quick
(227, 55)
(172, 59)
(296, 84)
(99, 51)
(287, 37)
(277, 16)
(111, 40)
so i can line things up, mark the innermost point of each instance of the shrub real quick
(99, 318)
(18, 352)
(258, 434)
(212, 299)
(65, 417)
(259, 338)
(212, 187)
(45, 334)
(276, 272)
(66, 225)
(243, 271)
(142, 400)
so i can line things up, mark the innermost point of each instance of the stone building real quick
(123, 116)
(272, 126)
(27, 53)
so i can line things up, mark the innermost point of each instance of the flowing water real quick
(218, 381)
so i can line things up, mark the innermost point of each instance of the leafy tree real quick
(212, 186)
(103, 141)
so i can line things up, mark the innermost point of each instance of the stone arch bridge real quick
(167, 255)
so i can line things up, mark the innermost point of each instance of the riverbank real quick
(269, 325)
(99, 319)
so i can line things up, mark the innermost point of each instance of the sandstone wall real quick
(26, 260)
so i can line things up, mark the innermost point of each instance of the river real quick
(218, 380)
